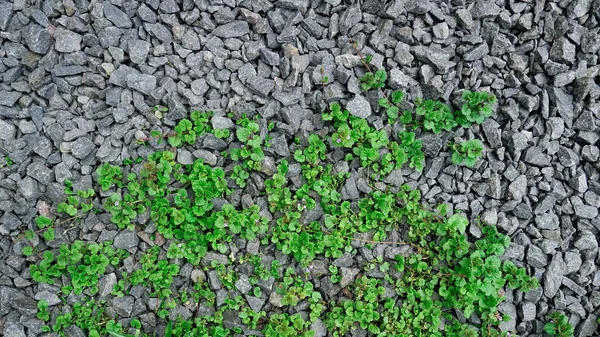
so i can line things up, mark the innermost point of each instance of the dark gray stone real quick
(477, 52)
(116, 16)
(536, 257)
(553, 276)
(126, 240)
(232, 29)
(563, 51)
(123, 305)
(435, 56)
(260, 86)
(37, 39)
(534, 156)
(492, 132)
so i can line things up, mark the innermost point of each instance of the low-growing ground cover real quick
(433, 278)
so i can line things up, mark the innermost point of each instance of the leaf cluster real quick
(558, 325)
(467, 152)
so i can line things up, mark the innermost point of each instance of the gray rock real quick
(37, 39)
(402, 54)
(588, 328)
(269, 57)
(359, 107)
(138, 51)
(242, 284)
(536, 257)
(534, 156)
(123, 305)
(573, 262)
(199, 87)
(7, 131)
(116, 16)
(579, 290)
(51, 298)
(590, 153)
(398, 80)
(547, 221)
(126, 240)
(255, 303)
(319, 328)
(563, 103)
(509, 309)
(579, 8)
(553, 276)
(349, 190)
(14, 329)
(586, 241)
(6, 11)
(9, 98)
(232, 29)
(563, 51)
(160, 32)
(435, 56)
(141, 82)
(260, 86)
(67, 41)
(82, 147)
(27, 306)
(432, 144)
(579, 182)
(492, 132)
(518, 188)
(586, 211)
(527, 311)
(345, 260)
(348, 275)
(10, 221)
(477, 52)
(556, 127)
(106, 284)
(349, 19)
(28, 188)
(567, 157)
(39, 172)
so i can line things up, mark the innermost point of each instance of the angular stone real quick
(37, 39)
(260, 86)
(435, 56)
(492, 132)
(518, 188)
(39, 172)
(553, 276)
(547, 221)
(359, 107)
(232, 29)
(82, 147)
(536, 257)
(126, 240)
(138, 51)
(116, 16)
(477, 52)
(534, 156)
(123, 305)
(141, 82)
(67, 41)
(7, 131)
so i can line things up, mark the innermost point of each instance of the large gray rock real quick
(126, 240)
(37, 39)
(138, 51)
(142, 82)
(553, 276)
(435, 56)
(232, 29)
(116, 16)
(67, 41)
(123, 305)
(359, 107)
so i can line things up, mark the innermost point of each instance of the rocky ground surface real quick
(80, 79)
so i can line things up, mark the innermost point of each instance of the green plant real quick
(43, 313)
(558, 325)
(467, 152)
(373, 80)
(476, 108)
(82, 262)
(437, 116)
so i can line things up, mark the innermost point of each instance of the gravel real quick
(80, 80)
